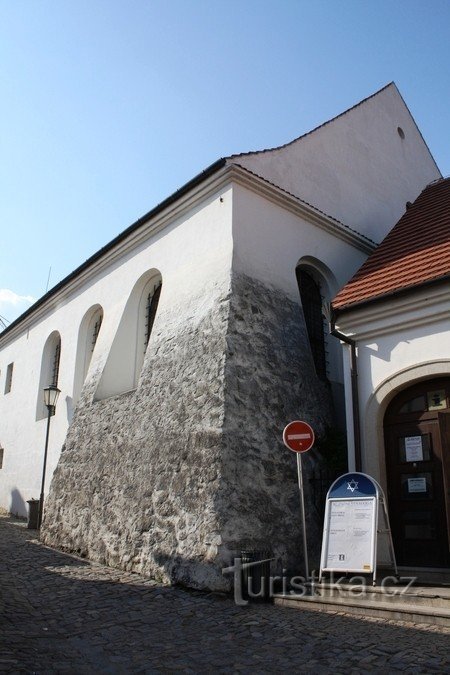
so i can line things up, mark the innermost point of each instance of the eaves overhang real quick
(384, 297)
(218, 175)
(424, 304)
(116, 242)
(287, 200)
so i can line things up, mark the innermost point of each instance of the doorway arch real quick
(417, 456)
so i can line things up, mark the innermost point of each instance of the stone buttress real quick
(174, 478)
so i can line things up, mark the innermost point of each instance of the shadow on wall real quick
(18, 506)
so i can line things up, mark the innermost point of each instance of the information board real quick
(350, 543)
(350, 530)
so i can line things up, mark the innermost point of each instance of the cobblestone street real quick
(64, 615)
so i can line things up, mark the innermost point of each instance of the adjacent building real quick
(396, 309)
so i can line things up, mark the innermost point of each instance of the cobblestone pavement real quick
(60, 614)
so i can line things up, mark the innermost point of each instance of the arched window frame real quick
(125, 360)
(312, 299)
(50, 370)
(148, 306)
(87, 339)
(56, 357)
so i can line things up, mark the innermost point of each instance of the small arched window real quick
(87, 339)
(148, 307)
(96, 324)
(311, 298)
(56, 355)
(51, 357)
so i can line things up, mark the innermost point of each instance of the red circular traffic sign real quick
(298, 436)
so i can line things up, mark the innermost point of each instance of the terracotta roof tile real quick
(416, 250)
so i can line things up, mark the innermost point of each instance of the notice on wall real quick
(350, 535)
(413, 449)
(417, 485)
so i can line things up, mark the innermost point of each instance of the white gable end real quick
(357, 168)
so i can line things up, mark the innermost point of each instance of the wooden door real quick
(417, 465)
(444, 428)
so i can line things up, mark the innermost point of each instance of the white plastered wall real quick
(270, 241)
(193, 253)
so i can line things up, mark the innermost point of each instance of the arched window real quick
(311, 298)
(126, 357)
(87, 339)
(96, 324)
(148, 306)
(51, 357)
(56, 355)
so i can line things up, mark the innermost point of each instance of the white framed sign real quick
(349, 542)
(350, 526)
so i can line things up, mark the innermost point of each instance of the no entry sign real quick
(298, 436)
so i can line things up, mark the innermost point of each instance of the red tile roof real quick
(416, 250)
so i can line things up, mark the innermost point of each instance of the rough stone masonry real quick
(178, 476)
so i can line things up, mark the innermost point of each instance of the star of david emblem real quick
(352, 485)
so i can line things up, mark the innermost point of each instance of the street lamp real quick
(51, 394)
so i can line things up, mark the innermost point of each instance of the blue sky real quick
(108, 106)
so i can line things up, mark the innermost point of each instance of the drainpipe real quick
(355, 397)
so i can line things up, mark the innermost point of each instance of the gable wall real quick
(355, 168)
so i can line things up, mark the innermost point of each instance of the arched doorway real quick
(417, 444)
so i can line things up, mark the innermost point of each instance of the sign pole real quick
(299, 437)
(302, 507)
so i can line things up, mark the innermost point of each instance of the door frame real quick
(438, 423)
(373, 459)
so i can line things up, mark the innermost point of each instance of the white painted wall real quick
(270, 241)
(355, 168)
(193, 253)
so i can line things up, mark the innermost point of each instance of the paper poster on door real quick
(417, 485)
(413, 449)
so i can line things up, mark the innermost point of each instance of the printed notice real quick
(417, 485)
(413, 449)
(350, 535)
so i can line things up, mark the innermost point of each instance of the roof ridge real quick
(311, 131)
(441, 179)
